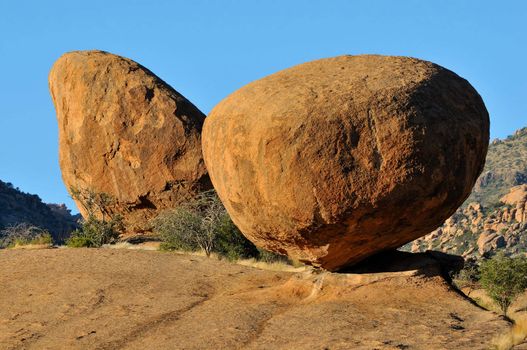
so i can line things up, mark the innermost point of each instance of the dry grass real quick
(32, 246)
(518, 332)
(515, 336)
(127, 245)
(262, 265)
(274, 266)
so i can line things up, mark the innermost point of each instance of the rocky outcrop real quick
(17, 207)
(336, 159)
(475, 230)
(505, 167)
(516, 196)
(126, 133)
(488, 241)
(497, 204)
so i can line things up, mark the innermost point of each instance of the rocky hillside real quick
(505, 167)
(494, 217)
(18, 207)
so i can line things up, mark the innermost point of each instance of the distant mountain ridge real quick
(494, 217)
(19, 207)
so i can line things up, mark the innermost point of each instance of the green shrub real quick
(231, 243)
(271, 257)
(94, 233)
(504, 278)
(177, 229)
(78, 240)
(100, 227)
(42, 239)
(468, 277)
(203, 224)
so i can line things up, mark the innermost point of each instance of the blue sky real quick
(207, 49)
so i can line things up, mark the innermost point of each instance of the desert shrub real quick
(231, 243)
(42, 239)
(79, 240)
(468, 277)
(100, 227)
(177, 229)
(94, 233)
(271, 257)
(202, 224)
(504, 278)
(24, 234)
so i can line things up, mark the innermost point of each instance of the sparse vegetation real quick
(204, 224)
(232, 244)
(197, 224)
(101, 227)
(94, 233)
(271, 258)
(24, 234)
(468, 277)
(504, 278)
(18, 207)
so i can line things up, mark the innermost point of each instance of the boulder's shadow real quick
(429, 263)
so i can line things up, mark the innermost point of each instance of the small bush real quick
(271, 257)
(43, 239)
(78, 240)
(94, 233)
(504, 278)
(231, 243)
(177, 229)
(203, 223)
(101, 227)
(24, 234)
(468, 277)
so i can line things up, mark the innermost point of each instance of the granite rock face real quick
(334, 160)
(125, 132)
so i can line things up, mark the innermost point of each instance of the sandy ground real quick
(132, 299)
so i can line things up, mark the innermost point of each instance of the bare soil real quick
(133, 299)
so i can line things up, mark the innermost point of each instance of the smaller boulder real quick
(126, 133)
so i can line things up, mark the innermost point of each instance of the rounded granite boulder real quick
(126, 133)
(334, 160)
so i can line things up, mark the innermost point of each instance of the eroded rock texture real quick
(333, 160)
(125, 132)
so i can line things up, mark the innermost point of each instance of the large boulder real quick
(125, 132)
(334, 160)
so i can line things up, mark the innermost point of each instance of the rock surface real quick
(125, 132)
(82, 299)
(336, 159)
